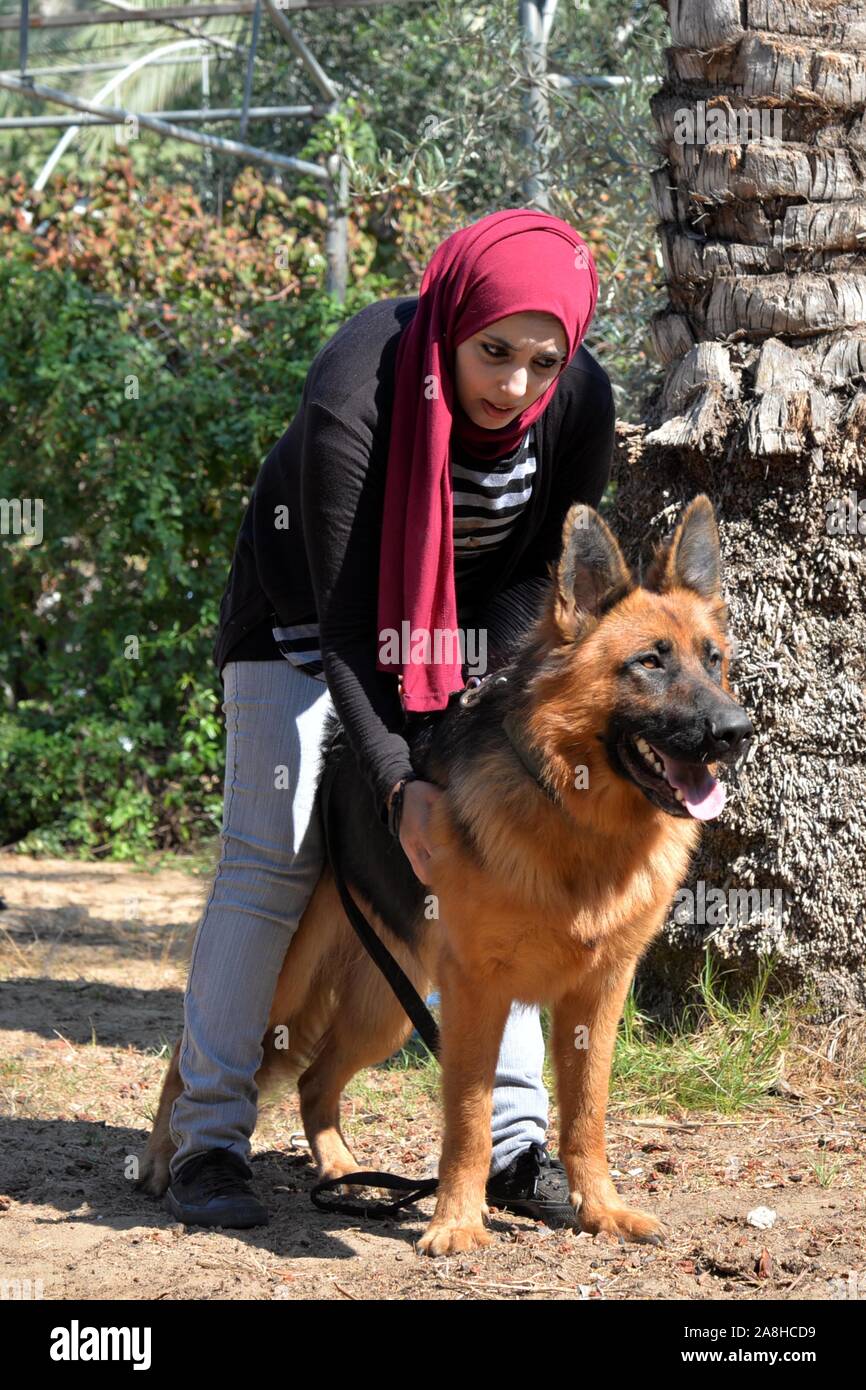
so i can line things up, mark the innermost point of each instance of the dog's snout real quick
(727, 731)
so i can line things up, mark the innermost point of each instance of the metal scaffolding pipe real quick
(536, 20)
(228, 113)
(23, 35)
(117, 115)
(248, 76)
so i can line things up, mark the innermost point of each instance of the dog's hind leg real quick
(153, 1171)
(367, 1026)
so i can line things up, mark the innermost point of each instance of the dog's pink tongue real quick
(703, 795)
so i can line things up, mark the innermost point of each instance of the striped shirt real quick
(488, 498)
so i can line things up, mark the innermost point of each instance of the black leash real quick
(399, 981)
(412, 1188)
(417, 1011)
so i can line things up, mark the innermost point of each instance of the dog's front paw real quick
(628, 1223)
(453, 1237)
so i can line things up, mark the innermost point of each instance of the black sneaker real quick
(213, 1189)
(534, 1184)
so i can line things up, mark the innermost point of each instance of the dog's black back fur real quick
(367, 855)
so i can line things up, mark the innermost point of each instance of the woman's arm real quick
(342, 495)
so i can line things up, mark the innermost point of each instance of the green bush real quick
(140, 426)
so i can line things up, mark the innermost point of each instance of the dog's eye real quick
(715, 658)
(650, 661)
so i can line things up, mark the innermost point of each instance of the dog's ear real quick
(689, 558)
(591, 575)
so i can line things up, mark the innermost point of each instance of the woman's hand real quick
(419, 798)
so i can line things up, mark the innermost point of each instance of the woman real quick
(421, 487)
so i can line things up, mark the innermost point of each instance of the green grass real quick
(419, 1078)
(826, 1173)
(721, 1055)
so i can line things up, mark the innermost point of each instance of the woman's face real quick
(509, 363)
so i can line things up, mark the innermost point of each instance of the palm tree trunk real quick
(762, 208)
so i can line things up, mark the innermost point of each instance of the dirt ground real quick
(93, 968)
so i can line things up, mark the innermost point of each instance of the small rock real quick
(762, 1217)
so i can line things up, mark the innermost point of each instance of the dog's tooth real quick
(678, 794)
(643, 745)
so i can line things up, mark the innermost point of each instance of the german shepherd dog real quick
(560, 841)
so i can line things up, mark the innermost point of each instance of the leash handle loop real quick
(412, 1188)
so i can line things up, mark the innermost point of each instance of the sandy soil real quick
(93, 964)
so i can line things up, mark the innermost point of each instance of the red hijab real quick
(508, 263)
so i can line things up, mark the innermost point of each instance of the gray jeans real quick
(271, 858)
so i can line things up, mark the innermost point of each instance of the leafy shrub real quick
(149, 359)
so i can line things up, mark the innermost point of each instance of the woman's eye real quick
(542, 366)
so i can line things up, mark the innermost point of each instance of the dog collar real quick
(526, 755)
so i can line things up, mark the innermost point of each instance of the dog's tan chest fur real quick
(546, 918)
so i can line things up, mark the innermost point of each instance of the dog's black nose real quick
(727, 730)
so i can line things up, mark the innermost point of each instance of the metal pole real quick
(175, 132)
(536, 20)
(337, 232)
(337, 185)
(208, 113)
(23, 36)
(207, 157)
(248, 80)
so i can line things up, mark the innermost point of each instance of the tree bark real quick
(763, 406)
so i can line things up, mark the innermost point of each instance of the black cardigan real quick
(325, 477)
